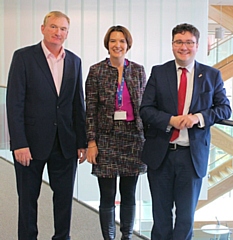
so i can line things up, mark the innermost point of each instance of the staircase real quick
(220, 175)
(226, 67)
(222, 14)
(220, 172)
(223, 55)
(220, 181)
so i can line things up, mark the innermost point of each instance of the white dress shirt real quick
(183, 138)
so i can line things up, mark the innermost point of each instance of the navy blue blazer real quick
(34, 110)
(159, 103)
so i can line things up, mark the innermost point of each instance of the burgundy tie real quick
(181, 100)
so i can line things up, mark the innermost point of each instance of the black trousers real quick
(61, 173)
(127, 188)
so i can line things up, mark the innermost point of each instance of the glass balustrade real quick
(225, 128)
(218, 157)
(86, 189)
(220, 50)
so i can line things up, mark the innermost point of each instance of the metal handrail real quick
(220, 42)
(226, 122)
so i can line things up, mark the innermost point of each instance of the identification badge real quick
(120, 115)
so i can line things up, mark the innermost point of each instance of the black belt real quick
(174, 146)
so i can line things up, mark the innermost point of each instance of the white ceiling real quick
(221, 2)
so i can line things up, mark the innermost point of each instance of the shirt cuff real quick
(201, 123)
(168, 129)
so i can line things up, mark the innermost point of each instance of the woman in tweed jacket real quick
(114, 89)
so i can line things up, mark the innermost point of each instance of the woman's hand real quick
(92, 152)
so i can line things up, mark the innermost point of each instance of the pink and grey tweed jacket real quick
(101, 88)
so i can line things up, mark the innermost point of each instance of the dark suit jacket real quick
(36, 113)
(159, 103)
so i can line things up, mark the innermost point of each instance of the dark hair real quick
(122, 29)
(183, 28)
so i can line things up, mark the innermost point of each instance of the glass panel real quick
(220, 50)
(90, 195)
(4, 137)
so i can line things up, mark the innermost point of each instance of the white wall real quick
(149, 21)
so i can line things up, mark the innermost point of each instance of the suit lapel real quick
(43, 64)
(65, 73)
(171, 82)
(197, 83)
(132, 85)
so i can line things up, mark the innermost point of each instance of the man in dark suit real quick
(46, 118)
(177, 140)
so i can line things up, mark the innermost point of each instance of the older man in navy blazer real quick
(46, 118)
(177, 141)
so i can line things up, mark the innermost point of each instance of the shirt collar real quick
(48, 53)
(188, 67)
